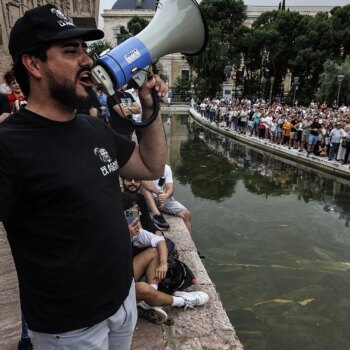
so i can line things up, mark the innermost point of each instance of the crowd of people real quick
(84, 260)
(317, 128)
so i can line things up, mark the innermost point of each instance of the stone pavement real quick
(203, 328)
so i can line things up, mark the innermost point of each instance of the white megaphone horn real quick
(177, 26)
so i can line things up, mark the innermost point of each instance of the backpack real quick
(179, 277)
(172, 250)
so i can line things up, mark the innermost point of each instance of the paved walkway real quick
(333, 168)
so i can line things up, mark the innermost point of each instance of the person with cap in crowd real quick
(60, 200)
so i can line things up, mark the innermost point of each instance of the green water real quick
(275, 235)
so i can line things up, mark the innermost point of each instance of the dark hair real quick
(129, 199)
(9, 77)
(20, 71)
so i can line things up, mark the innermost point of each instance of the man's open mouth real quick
(86, 79)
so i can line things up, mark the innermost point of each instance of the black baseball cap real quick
(45, 24)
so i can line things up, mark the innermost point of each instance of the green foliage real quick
(182, 86)
(199, 169)
(280, 42)
(329, 82)
(222, 17)
(137, 24)
(96, 48)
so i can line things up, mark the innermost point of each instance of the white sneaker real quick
(193, 299)
(154, 314)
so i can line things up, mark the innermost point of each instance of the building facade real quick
(84, 13)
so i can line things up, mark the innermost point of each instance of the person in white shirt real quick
(150, 267)
(159, 197)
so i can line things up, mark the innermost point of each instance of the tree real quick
(137, 24)
(340, 21)
(222, 17)
(98, 47)
(182, 86)
(329, 84)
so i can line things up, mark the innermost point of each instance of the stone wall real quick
(11, 10)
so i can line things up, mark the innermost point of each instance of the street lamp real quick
(272, 79)
(340, 79)
(296, 87)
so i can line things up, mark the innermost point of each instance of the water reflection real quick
(276, 239)
(211, 164)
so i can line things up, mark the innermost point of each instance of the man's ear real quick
(31, 63)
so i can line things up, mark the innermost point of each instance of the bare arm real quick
(162, 268)
(169, 189)
(149, 157)
(149, 186)
(127, 111)
(4, 116)
(135, 108)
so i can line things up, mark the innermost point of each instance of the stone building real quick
(84, 13)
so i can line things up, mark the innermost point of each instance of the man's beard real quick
(65, 94)
(132, 189)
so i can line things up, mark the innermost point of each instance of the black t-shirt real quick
(4, 104)
(294, 123)
(119, 123)
(315, 125)
(61, 207)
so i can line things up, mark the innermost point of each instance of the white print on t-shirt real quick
(109, 168)
(105, 157)
(126, 102)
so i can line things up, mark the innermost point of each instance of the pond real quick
(275, 235)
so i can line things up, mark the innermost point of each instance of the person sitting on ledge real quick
(151, 264)
(159, 197)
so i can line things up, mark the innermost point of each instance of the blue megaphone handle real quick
(125, 60)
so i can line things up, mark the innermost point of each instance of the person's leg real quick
(146, 263)
(186, 217)
(152, 205)
(122, 324)
(346, 157)
(155, 298)
(173, 207)
(152, 296)
(331, 152)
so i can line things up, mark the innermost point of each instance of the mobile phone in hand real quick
(130, 215)
(161, 181)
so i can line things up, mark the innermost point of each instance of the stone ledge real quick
(204, 328)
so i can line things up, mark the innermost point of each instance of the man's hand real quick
(145, 92)
(161, 199)
(134, 228)
(161, 271)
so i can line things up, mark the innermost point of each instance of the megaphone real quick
(177, 27)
